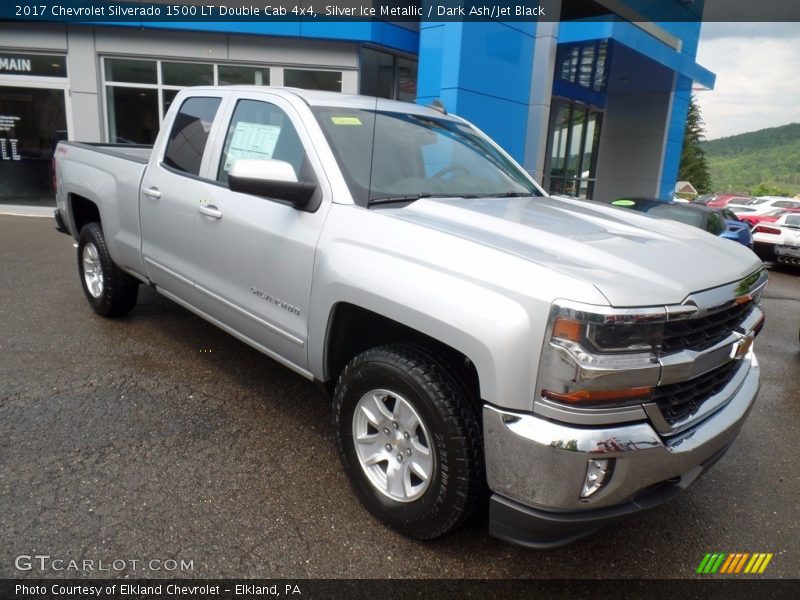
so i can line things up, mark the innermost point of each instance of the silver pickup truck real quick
(567, 362)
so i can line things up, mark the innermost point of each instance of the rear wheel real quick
(110, 291)
(410, 439)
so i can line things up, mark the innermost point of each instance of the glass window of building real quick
(329, 81)
(139, 92)
(572, 149)
(387, 75)
(38, 65)
(186, 74)
(377, 73)
(406, 79)
(237, 75)
(583, 64)
(132, 115)
(126, 70)
(32, 120)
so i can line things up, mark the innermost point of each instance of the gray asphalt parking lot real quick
(158, 436)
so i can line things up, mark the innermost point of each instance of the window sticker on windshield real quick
(346, 121)
(254, 141)
(623, 202)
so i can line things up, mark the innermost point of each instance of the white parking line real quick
(18, 210)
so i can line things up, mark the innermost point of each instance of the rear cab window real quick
(189, 135)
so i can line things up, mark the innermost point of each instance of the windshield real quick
(677, 212)
(416, 156)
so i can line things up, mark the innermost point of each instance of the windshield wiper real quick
(413, 197)
(508, 195)
(393, 199)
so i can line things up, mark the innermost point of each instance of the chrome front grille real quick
(699, 333)
(677, 401)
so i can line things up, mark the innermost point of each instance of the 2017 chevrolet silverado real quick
(569, 361)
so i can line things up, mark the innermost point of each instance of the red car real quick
(769, 217)
(730, 199)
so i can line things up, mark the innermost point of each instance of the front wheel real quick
(410, 439)
(110, 291)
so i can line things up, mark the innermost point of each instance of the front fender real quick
(492, 330)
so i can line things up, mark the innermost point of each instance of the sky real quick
(758, 76)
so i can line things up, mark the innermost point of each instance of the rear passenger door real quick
(170, 194)
(255, 256)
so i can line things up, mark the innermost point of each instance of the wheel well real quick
(353, 329)
(84, 211)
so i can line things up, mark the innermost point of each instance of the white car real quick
(779, 241)
(765, 204)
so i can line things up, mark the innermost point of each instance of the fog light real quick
(597, 474)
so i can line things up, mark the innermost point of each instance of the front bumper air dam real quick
(536, 468)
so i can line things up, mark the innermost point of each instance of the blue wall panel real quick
(482, 72)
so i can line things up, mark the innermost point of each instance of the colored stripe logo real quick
(734, 563)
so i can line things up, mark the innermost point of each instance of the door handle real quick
(210, 210)
(152, 192)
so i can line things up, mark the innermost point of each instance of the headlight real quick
(601, 357)
(609, 333)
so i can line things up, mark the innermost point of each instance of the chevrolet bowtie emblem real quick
(742, 347)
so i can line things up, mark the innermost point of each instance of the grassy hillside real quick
(762, 162)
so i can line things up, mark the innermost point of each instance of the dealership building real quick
(593, 105)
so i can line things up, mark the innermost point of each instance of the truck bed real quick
(136, 152)
(108, 176)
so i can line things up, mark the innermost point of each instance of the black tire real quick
(456, 488)
(118, 290)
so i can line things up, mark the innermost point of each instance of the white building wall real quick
(544, 60)
(31, 36)
(84, 85)
(635, 122)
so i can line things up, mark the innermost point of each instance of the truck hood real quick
(632, 259)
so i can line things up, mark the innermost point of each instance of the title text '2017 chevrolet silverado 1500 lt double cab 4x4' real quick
(570, 361)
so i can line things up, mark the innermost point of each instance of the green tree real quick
(763, 189)
(694, 167)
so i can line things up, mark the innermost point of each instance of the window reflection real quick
(583, 64)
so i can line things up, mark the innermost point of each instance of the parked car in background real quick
(729, 199)
(765, 204)
(717, 221)
(779, 241)
(754, 219)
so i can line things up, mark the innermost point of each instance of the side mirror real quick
(272, 179)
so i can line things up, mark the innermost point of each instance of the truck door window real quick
(259, 131)
(189, 135)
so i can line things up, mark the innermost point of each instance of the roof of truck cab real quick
(335, 99)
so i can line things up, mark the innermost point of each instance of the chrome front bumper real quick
(542, 465)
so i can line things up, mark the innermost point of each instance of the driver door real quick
(255, 256)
